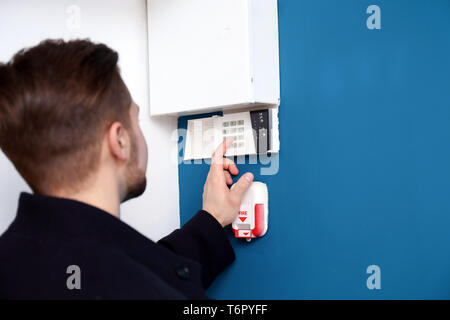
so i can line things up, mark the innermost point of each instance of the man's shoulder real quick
(43, 268)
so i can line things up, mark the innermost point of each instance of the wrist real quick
(218, 218)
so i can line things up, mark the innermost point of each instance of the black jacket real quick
(50, 234)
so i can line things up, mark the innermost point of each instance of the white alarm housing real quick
(253, 216)
(212, 55)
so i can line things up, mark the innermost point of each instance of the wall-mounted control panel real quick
(212, 55)
(253, 217)
(253, 132)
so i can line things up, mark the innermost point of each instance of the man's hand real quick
(221, 202)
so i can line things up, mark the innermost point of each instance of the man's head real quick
(67, 118)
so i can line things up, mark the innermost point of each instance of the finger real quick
(228, 178)
(242, 185)
(217, 156)
(229, 165)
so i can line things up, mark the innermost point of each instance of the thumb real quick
(242, 185)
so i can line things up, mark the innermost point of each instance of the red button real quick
(259, 219)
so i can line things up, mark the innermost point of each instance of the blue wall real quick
(364, 167)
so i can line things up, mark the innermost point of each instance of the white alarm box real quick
(253, 217)
(209, 55)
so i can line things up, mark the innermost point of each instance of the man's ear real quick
(118, 141)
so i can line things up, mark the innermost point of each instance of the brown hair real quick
(57, 100)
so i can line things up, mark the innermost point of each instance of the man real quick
(70, 127)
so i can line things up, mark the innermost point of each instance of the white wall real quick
(121, 25)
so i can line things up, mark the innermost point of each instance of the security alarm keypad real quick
(253, 132)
